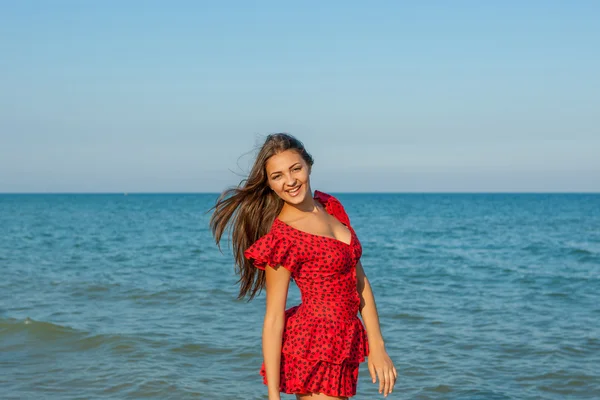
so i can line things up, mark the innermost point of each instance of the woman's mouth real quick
(294, 192)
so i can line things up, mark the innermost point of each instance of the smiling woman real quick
(280, 230)
(288, 173)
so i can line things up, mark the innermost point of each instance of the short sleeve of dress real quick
(333, 206)
(273, 250)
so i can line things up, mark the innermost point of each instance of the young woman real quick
(280, 231)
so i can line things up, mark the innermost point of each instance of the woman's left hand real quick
(380, 364)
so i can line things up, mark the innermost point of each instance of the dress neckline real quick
(316, 197)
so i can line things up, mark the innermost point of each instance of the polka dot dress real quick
(324, 340)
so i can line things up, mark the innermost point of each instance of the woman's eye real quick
(297, 168)
(276, 177)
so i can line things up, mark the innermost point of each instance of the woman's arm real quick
(277, 283)
(379, 361)
(368, 309)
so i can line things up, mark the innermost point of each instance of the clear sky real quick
(170, 96)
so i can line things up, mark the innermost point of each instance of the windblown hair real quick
(248, 211)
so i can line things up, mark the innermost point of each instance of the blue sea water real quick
(480, 296)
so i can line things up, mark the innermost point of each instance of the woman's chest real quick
(325, 256)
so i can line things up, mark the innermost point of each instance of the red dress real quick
(323, 340)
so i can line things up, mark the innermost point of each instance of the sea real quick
(127, 296)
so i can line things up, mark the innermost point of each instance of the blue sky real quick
(159, 96)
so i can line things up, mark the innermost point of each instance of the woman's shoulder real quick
(273, 249)
(325, 198)
(276, 233)
(272, 234)
(332, 205)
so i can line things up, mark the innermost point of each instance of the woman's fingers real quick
(382, 379)
(389, 381)
(387, 377)
(392, 381)
(372, 372)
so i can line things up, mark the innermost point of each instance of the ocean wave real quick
(199, 350)
(407, 317)
(38, 329)
(534, 248)
(577, 251)
(28, 332)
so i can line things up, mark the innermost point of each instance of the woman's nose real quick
(290, 180)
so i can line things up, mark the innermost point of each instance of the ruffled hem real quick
(321, 339)
(304, 376)
(273, 251)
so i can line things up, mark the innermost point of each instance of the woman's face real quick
(288, 176)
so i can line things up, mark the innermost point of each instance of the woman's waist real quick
(328, 309)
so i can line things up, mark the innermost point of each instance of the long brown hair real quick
(248, 211)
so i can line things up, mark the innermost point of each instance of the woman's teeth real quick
(294, 192)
